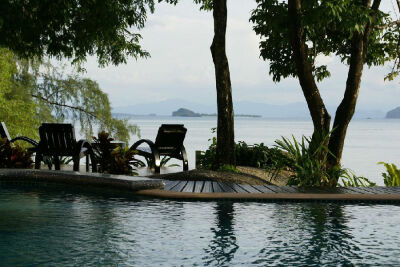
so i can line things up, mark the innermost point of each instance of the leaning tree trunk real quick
(319, 114)
(225, 127)
(345, 111)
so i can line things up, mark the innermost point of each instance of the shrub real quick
(310, 165)
(392, 177)
(228, 168)
(112, 158)
(14, 156)
(349, 178)
(257, 155)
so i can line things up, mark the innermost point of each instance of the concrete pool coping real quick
(131, 183)
(159, 193)
(208, 190)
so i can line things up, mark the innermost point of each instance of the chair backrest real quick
(57, 139)
(4, 132)
(170, 137)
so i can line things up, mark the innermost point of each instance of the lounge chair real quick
(169, 142)
(58, 139)
(4, 134)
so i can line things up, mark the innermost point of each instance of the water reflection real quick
(309, 234)
(328, 234)
(223, 245)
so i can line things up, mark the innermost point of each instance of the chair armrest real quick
(155, 154)
(81, 144)
(26, 139)
(141, 141)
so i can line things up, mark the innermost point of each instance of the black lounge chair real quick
(58, 139)
(4, 134)
(169, 142)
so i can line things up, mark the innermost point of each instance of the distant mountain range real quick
(293, 110)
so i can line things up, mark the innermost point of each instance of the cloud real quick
(179, 39)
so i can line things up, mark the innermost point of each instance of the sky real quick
(178, 39)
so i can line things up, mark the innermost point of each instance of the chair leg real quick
(184, 159)
(76, 164)
(38, 159)
(157, 162)
(87, 162)
(57, 163)
(93, 161)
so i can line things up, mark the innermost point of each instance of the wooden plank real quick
(290, 189)
(314, 190)
(392, 189)
(238, 188)
(276, 189)
(207, 188)
(189, 187)
(263, 189)
(226, 188)
(170, 184)
(249, 188)
(345, 190)
(360, 190)
(198, 186)
(179, 186)
(216, 188)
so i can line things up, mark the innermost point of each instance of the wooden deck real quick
(219, 190)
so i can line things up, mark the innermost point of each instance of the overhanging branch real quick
(64, 105)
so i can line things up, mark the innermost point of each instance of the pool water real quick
(65, 227)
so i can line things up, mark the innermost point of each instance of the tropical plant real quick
(310, 160)
(14, 156)
(392, 177)
(349, 178)
(112, 158)
(310, 164)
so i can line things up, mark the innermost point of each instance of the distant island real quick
(183, 112)
(393, 114)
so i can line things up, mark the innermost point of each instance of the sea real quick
(368, 141)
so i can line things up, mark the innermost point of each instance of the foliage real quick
(261, 156)
(295, 35)
(349, 178)
(310, 164)
(113, 159)
(17, 108)
(328, 30)
(257, 155)
(14, 156)
(228, 168)
(35, 92)
(74, 29)
(207, 159)
(392, 177)
(123, 161)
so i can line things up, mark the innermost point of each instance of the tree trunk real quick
(319, 114)
(225, 127)
(345, 110)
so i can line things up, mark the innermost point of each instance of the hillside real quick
(393, 114)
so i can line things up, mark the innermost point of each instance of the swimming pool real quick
(44, 226)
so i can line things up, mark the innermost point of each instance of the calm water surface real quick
(43, 227)
(367, 143)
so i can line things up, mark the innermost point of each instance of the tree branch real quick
(64, 105)
(393, 23)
